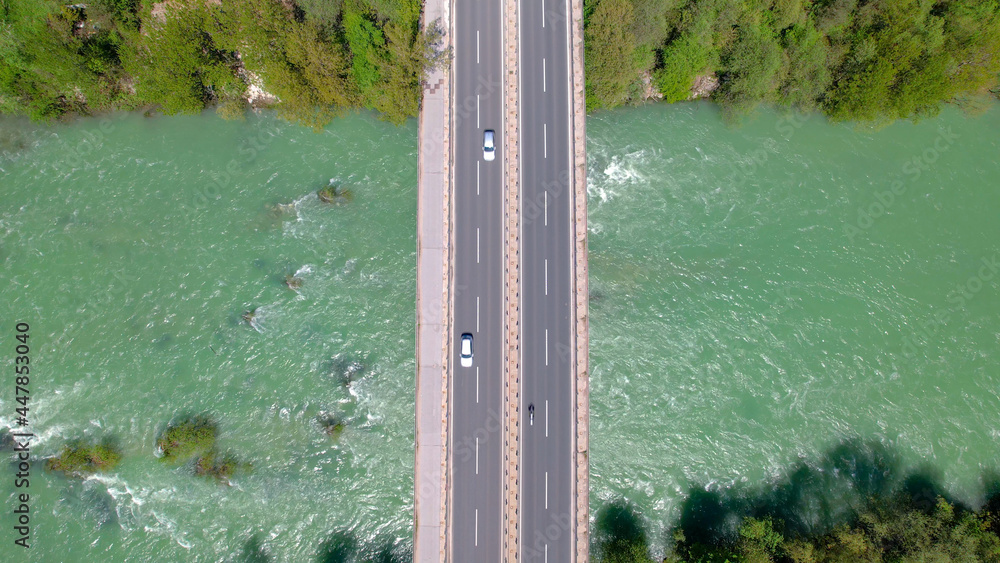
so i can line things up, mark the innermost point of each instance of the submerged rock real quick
(293, 282)
(219, 466)
(281, 210)
(347, 369)
(596, 295)
(249, 316)
(272, 216)
(335, 193)
(6, 440)
(91, 502)
(163, 340)
(332, 426)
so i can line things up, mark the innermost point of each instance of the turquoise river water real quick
(760, 296)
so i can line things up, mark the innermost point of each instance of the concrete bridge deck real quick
(501, 468)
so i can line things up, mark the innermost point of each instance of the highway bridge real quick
(501, 470)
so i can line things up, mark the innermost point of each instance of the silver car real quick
(466, 351)
(489, 145)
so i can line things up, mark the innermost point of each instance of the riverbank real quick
(877, 61)
(853, 61)
(308, 60)
(852, 505)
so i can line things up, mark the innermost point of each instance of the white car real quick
(466, 351)
(489, 146)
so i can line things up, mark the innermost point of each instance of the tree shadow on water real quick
(619, 533)
(340, 547)
(992, 504)
(388, 551)
(254, 552)
(343, 547)
(813, 497)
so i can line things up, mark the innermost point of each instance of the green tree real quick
(897, 67)
(189, 438)
(623, 551)
(759, 542)
(124, 12)
(610, 58)
(175, 61)
(42, 73)
(750, 70)
(972, 38)
(366, 40)
(683, 60)
(324, 13)
(306, 72)
(389, 56)
(807, 76)
(81, 459)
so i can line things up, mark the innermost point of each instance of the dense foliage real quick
(195, 438)
(889, 531)
(192, 437)
(311, 59)
(219, 466)
(82, 459)
(870, 60)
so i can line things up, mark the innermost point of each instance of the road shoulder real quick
(432, 301)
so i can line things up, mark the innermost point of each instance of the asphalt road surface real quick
(476, 393)
(547, 470)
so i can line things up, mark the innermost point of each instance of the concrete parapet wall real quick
(430, 502)
(582, 290)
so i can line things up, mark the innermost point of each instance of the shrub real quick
(220, 467)
(749, 70)
(610, 57)
(683, 59)
(192, 437)
(81, 459)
